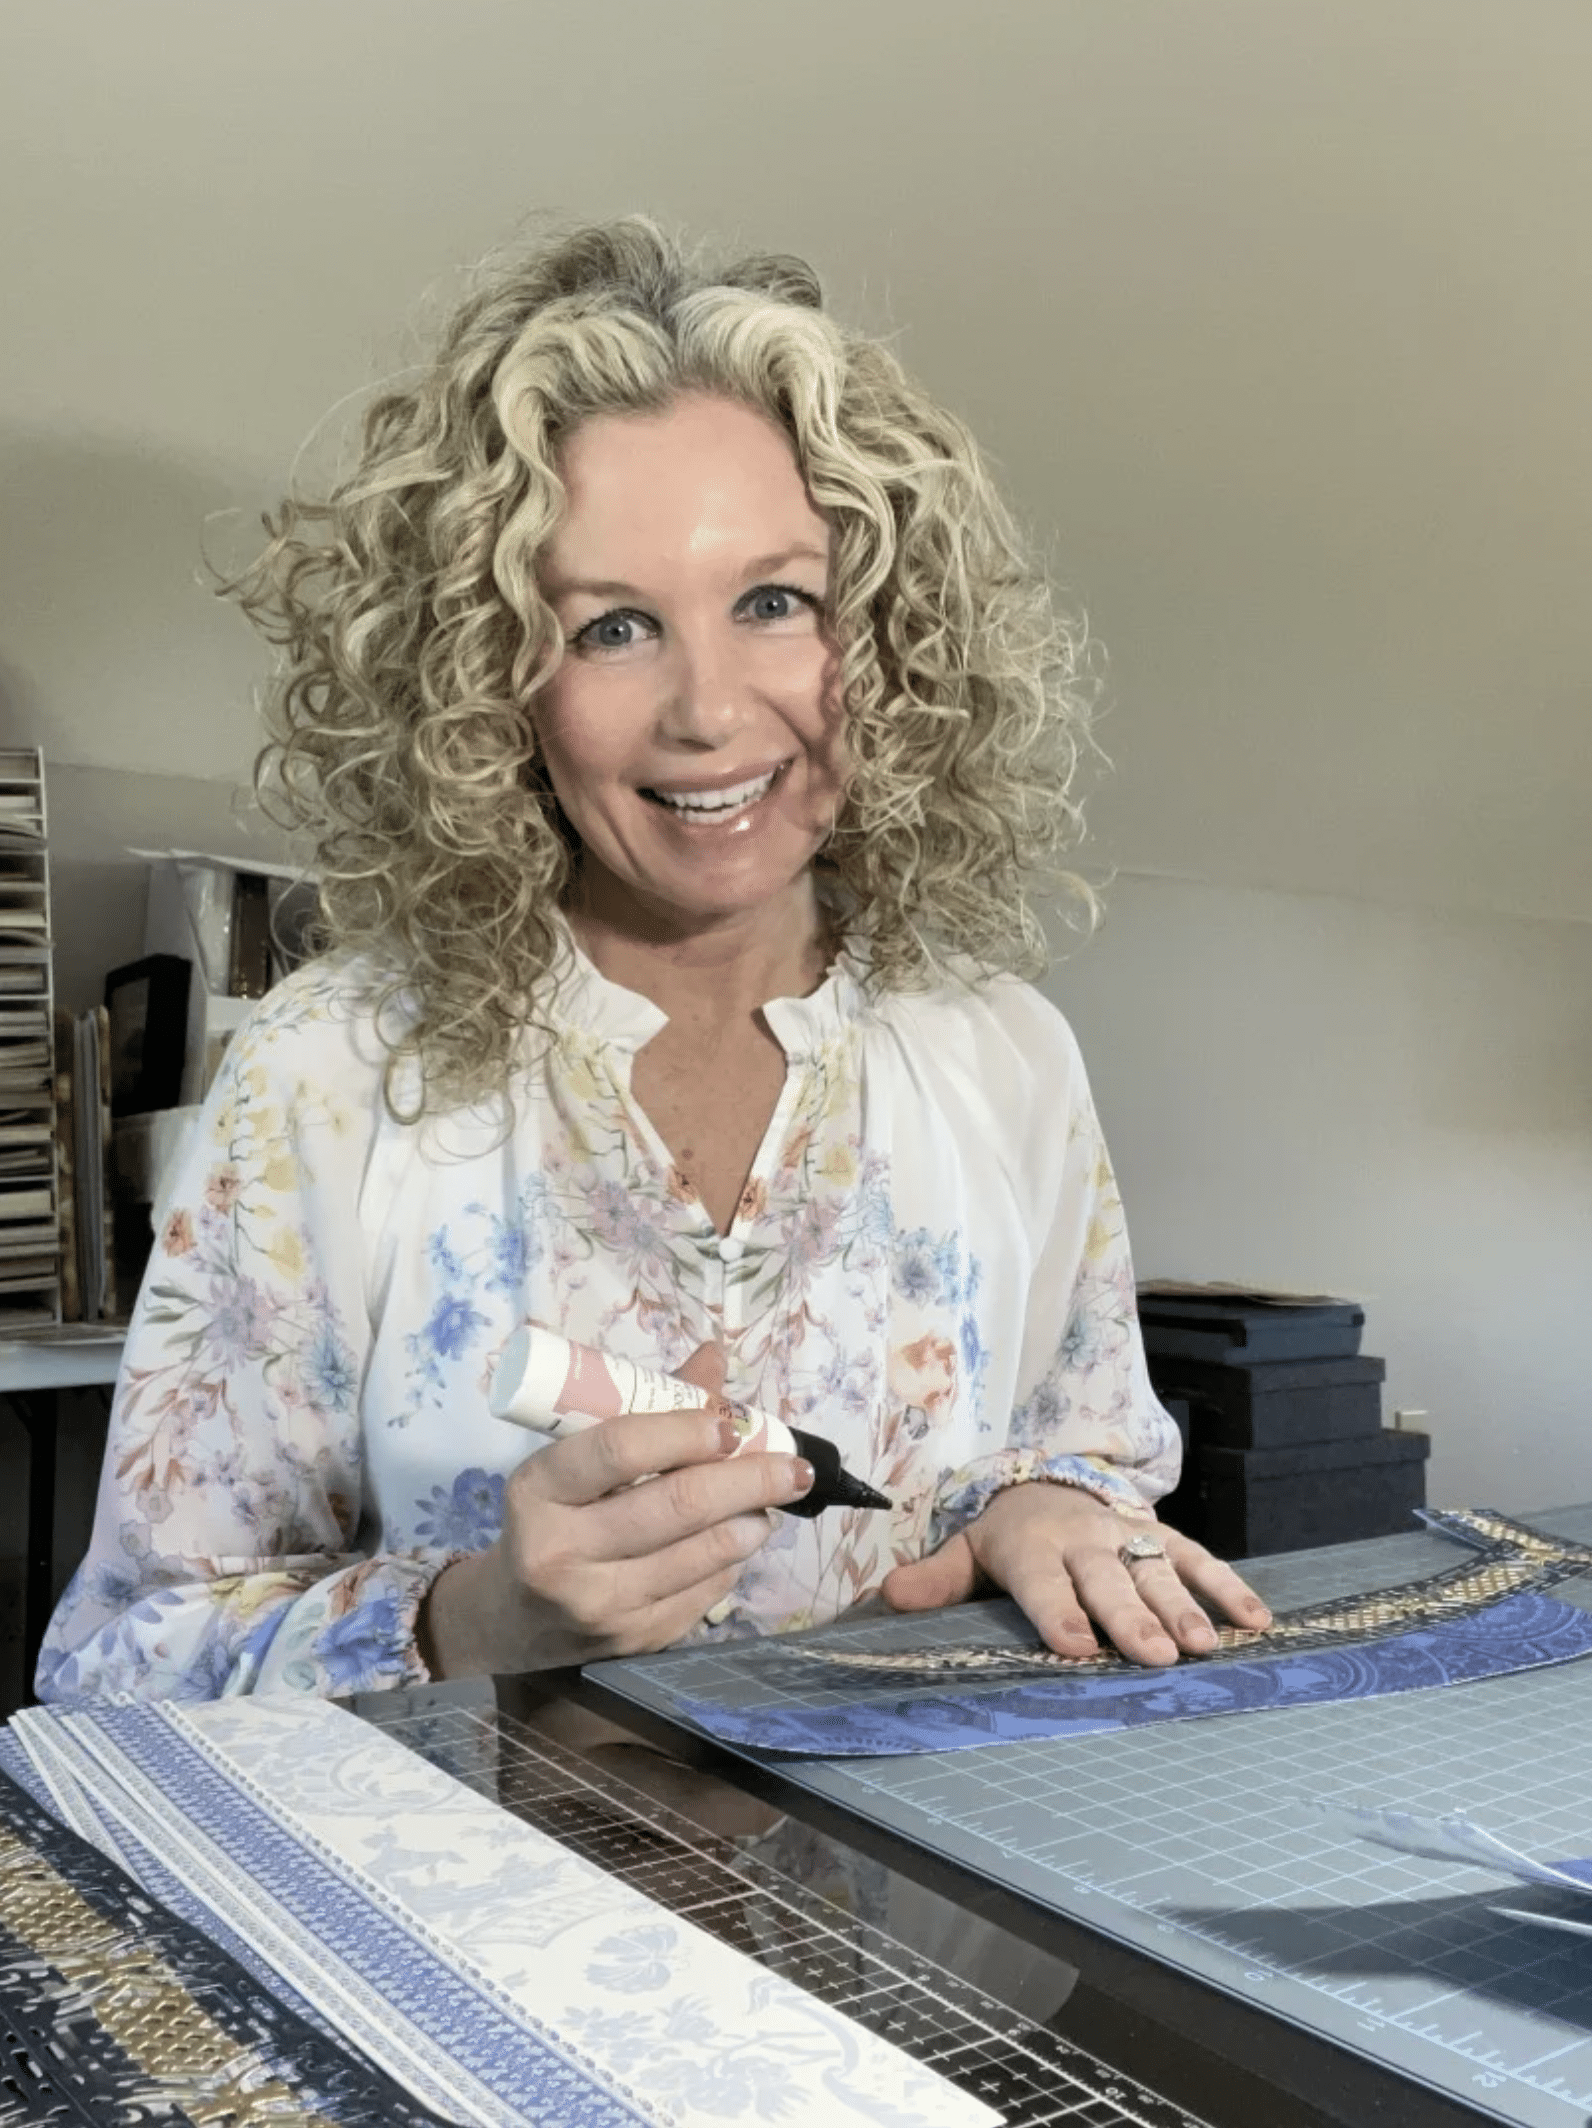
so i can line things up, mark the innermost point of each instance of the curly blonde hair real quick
(412, 635)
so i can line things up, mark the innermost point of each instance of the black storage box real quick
(1251, 1501)
(1239, 1326)
(1275, 1404)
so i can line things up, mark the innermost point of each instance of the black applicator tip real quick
(833, 1485)
(852, 1492)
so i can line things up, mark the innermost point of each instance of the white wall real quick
(1265, 314)
(1347, 1097)
(98, 817)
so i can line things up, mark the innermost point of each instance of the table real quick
(1228, 2065)
(32, 1370)
(1211, 2043)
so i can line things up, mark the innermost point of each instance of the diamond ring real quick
(1138, 1548)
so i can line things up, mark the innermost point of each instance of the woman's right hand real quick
(590, 1563)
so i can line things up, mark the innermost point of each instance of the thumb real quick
(704, 1369)
(946, 1576)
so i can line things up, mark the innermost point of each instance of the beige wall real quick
(1273, 319)
(98, 817)
(1272, 315)
(1346, 1097)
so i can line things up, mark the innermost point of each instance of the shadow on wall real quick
(118, 660)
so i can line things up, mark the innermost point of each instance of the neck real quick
(708, 972)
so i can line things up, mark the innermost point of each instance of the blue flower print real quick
(730, 2086)
(241, 1319)
(1085, 1341)
(930, 1273)
(363, 1649)
(513, 1256)
(330, 1375)
(870, 1203)
(917, 1276)
(1039, 1419)
(623, 2038)
(465, 1519)
(453, 1322)
(635, 1962)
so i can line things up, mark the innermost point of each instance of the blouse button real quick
(731, 1248)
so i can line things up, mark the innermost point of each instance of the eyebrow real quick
(759, 565)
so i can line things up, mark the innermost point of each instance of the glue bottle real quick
(556, 1387)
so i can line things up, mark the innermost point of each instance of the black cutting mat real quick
(1031, 2076)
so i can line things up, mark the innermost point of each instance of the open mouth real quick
(717, 805)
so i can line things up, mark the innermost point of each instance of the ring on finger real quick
(1140, 1548)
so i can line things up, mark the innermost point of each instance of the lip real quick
(722, 780)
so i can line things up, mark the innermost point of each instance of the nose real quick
(706, 694)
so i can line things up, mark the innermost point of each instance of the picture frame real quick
(147, 1001)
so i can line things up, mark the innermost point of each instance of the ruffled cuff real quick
(964, 1494)
(355, 1631)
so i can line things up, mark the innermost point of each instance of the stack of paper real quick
(30, 1289)
(492, 1971)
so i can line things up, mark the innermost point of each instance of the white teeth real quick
(729, 801)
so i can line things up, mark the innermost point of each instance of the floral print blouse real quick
(928, 1264)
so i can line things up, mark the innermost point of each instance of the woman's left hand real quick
(1057, 1552)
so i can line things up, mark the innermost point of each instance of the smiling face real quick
(692, 732)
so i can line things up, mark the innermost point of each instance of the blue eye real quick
(609, 631)
(777, 602)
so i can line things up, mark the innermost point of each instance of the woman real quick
(681, 724)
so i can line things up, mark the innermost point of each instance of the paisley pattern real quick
(1519, 1633)
(928, 1264)
(1512, 1560)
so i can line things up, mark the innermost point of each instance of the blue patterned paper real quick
(1520, 1633)
(529, 2072)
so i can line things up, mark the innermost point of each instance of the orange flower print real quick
(923, 1376)
(178, 1237)
(796, 1148)
(754, 1201)
(224, 1188)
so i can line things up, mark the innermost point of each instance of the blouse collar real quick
(585, 1001)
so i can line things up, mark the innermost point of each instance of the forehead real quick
(701, 478)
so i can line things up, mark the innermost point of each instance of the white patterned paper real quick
(668, 2024)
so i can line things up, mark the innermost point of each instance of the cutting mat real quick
(1191, 1840)
(1034, 2078)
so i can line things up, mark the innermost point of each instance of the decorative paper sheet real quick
(491, 1971)
(1520, 1633)
(911, 1684)
(111, 2008)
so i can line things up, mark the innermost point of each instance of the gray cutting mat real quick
(1189, 1840)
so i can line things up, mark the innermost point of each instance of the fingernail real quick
(729, 1437)
(1199, 1631)
(802, 1475)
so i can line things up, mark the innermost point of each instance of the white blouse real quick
(928, 1265)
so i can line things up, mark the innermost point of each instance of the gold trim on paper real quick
(1514, 1559)
(114, 1976)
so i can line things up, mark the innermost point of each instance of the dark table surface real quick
(1225, 2060)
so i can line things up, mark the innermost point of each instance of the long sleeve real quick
(1085, 1413)
(225, 1554)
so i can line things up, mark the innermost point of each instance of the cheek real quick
(821, 721)
(580, 740)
